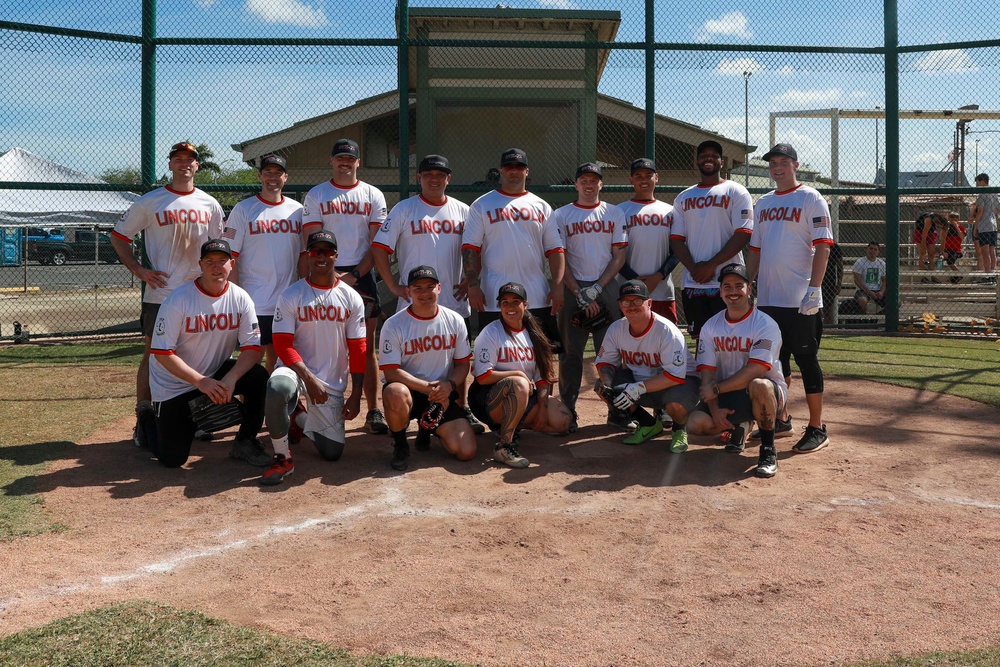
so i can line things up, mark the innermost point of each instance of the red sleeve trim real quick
(121, 236)
(555, 250)
(752, 249)
(675, 378)
(486, 374)
(250, 347)
(605, 363)
(468, 246)
(704, 367)
(744, 230)
(464, 359)
(235, 254)
(822, 241)
(762, 363)
(311, 223)
(382, 246)
(283, 347)
(542, 383)
(388, 366)
(678, 236)
(620, 245)
(356, 348)
(165, 353)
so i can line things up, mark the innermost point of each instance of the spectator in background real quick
(984, 228)
(833, 279)
(951, 233)
(869, 277)
(924, 236)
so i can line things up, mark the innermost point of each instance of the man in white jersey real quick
(427, 229)
(789, 251)
(353, 210)
(425, 355)
(507, 238)
(646, 361)
(648, 222)
(175, 221)
(593, 234)
(319, 335)
(741, 377)
(265, 233)
(197, 329)
(712, 224)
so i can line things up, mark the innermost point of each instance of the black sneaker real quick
(573, 425)
(477, 426)
(400, 457)
(622, 420)
(145, 434)
(737, 439)
(767, 464)
(423, 440)
(813, 440)
(780, 427)
(375, 422)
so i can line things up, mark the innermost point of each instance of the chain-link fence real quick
(893, 115)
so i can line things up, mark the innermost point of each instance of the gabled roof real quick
(925, 179)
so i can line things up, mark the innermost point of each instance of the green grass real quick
(57, 395)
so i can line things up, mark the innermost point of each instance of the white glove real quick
(630, 394)
(582, 301)
(812, 301)
(591, 293)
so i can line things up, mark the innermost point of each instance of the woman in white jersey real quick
(514, 372)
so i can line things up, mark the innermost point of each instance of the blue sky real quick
(81, 106)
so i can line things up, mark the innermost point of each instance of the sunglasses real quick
(183, 146)
(322, 252)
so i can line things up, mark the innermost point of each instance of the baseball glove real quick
(371, 308)
(211, 417)
(599, 321)
(609, 394)
(432, 416)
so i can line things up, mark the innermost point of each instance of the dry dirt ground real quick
(887, 542)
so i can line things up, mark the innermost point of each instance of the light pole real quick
(215, 178)
(746, 126)
(877, 164)
(977, 157)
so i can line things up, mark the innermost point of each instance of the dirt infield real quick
(885, 543)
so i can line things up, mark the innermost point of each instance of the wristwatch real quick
(354, 272)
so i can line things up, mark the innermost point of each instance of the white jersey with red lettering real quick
(648, 225)
(659, 350)
(201, 329)
(176, 224)
(513, 235)
(788, 227)
(426, 348)
(322, 320)
(727, 346)
(706, 217)
(589, 235)
(497, 349)
(348, 212)
(267, 238)
(419, 232)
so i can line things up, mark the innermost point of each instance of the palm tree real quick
(205, 156)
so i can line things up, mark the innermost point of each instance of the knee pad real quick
(812, 374)
(282, 395)
(330, 450)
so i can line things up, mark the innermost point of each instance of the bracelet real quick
(715, 388)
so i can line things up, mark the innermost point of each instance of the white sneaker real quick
(507, 453)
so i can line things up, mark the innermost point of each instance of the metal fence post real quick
(147, 144)
(891, 28)
(403, 70)
(650, 83)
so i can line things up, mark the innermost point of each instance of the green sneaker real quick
(679, 441)
(644, 433)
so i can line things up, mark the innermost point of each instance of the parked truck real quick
(87, 246)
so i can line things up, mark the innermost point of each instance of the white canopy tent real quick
(54, 208)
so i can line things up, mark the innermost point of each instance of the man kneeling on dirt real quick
(740, 373)
(197, 329)
(645, 362)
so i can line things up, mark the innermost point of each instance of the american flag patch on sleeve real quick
(821, 221)
(762, 344)
(746, 214)
(229, 233)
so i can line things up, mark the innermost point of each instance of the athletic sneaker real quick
(375, 422)
(737, 438)
(251, 451)
(506, 452)
(203, 436)
(281, 467)
(813, 440)
(144, 434)
(780, 427)
(573, 425)
(767, 464)
(644, 433)
(400, 457)
(679, 441)
(423, 440)
(477, 425)
(295, 431)
(622, 420)
(664, 417)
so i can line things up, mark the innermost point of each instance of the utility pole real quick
(746, 126)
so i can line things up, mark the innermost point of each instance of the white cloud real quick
(558, 4)
(795, 97)
(733, 24)
(951, 61)
(288, 12)
(205, 4)
(788, 70)
(736, 66)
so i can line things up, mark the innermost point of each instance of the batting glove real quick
(812, 301)
(629, 395)
(592, 292)
(582, 301)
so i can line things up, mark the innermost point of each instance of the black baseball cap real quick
(633, 288)
(734, 270)
(422, 271)
(321, 236)
(183, 146)
(516, 289)
(642, 163)
(275, 160)
(588, 168)
(438, 162)
(781, 149)
(513, 156)
(346, 147)
(216, 245)
(709, 143)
